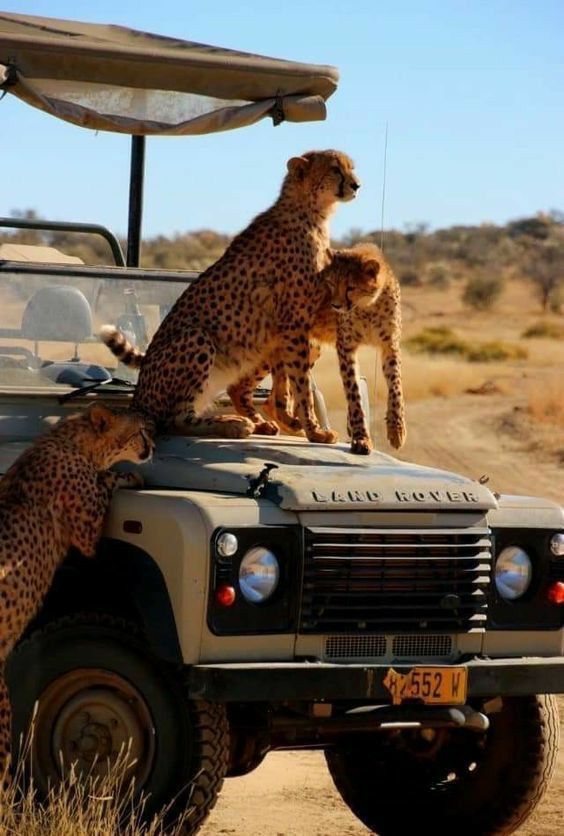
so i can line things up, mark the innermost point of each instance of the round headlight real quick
(557, 544)
(258, 575)
(226, 544)
(513, 573)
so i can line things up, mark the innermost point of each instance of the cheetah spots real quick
(55, 495)
(282, 248)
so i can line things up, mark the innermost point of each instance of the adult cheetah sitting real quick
(366, 310)
(260, 297)
(55, 496)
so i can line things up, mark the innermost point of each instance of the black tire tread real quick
(211, 733)
(508, 807)
(543, 722)
(209, 720)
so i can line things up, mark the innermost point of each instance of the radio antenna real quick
(383, 190)
(378, 353)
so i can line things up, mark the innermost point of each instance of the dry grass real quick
(530, 382)
(545, 403)
(423, 377)
(90, 805)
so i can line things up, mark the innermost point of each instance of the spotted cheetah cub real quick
(364, 309)
(261, 297)
(55, 496)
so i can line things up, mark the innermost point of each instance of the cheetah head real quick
(326, 176)
(355, 278)
(119, 435)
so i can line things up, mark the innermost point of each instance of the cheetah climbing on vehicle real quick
(54, 497)
(260, 297)
(365, 309)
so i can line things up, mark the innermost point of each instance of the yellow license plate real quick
(431, 686)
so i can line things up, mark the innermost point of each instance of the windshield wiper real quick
(91, 387)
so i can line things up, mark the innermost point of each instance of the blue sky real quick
(472, 91)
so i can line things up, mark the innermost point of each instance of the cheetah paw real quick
(319, 436)
(361, 446)
(266, 428)
(397, 434)
(130, 480)
(236, 427)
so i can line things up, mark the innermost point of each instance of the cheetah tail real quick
(121, 347)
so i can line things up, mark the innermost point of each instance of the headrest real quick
(57, 312)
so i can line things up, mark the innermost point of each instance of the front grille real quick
(396, 647)
(425, 645)
(355, 647)
(388, 580)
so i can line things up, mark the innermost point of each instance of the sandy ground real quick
(291, 793)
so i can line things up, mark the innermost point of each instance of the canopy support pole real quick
(136, 177)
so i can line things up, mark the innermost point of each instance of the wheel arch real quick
(123, 581)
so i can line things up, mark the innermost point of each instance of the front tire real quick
(98, 690)
(452, 781)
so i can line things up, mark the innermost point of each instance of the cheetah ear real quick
(297, 166)
(101, 417)
(371, 268)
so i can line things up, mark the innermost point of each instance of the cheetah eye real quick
(335, 169)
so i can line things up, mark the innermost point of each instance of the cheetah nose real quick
(355, 186)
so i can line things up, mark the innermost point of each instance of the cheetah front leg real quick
(241, 394)
(395, 413)
(280, 406)
(110, 480)
(295, 354)
(87, 521)
(361, 443)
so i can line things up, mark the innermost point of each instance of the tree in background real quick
(545, 269)
(482, 291)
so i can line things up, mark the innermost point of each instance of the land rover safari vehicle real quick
(264, 593)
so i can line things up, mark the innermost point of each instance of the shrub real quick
(438, 340)
(482, 292)
(438, 275)
(495, 350)
(409, 278)
(443, 341)
(537, 227)
(544, 330)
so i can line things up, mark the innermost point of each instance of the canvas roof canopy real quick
(112, 78)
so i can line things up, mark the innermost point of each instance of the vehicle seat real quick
(57, 313)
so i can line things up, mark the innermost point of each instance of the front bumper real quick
(276, 681)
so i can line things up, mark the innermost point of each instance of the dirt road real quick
(291, 793)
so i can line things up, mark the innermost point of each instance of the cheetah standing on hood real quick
(260, 297)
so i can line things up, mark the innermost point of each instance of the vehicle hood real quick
(308, 476)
